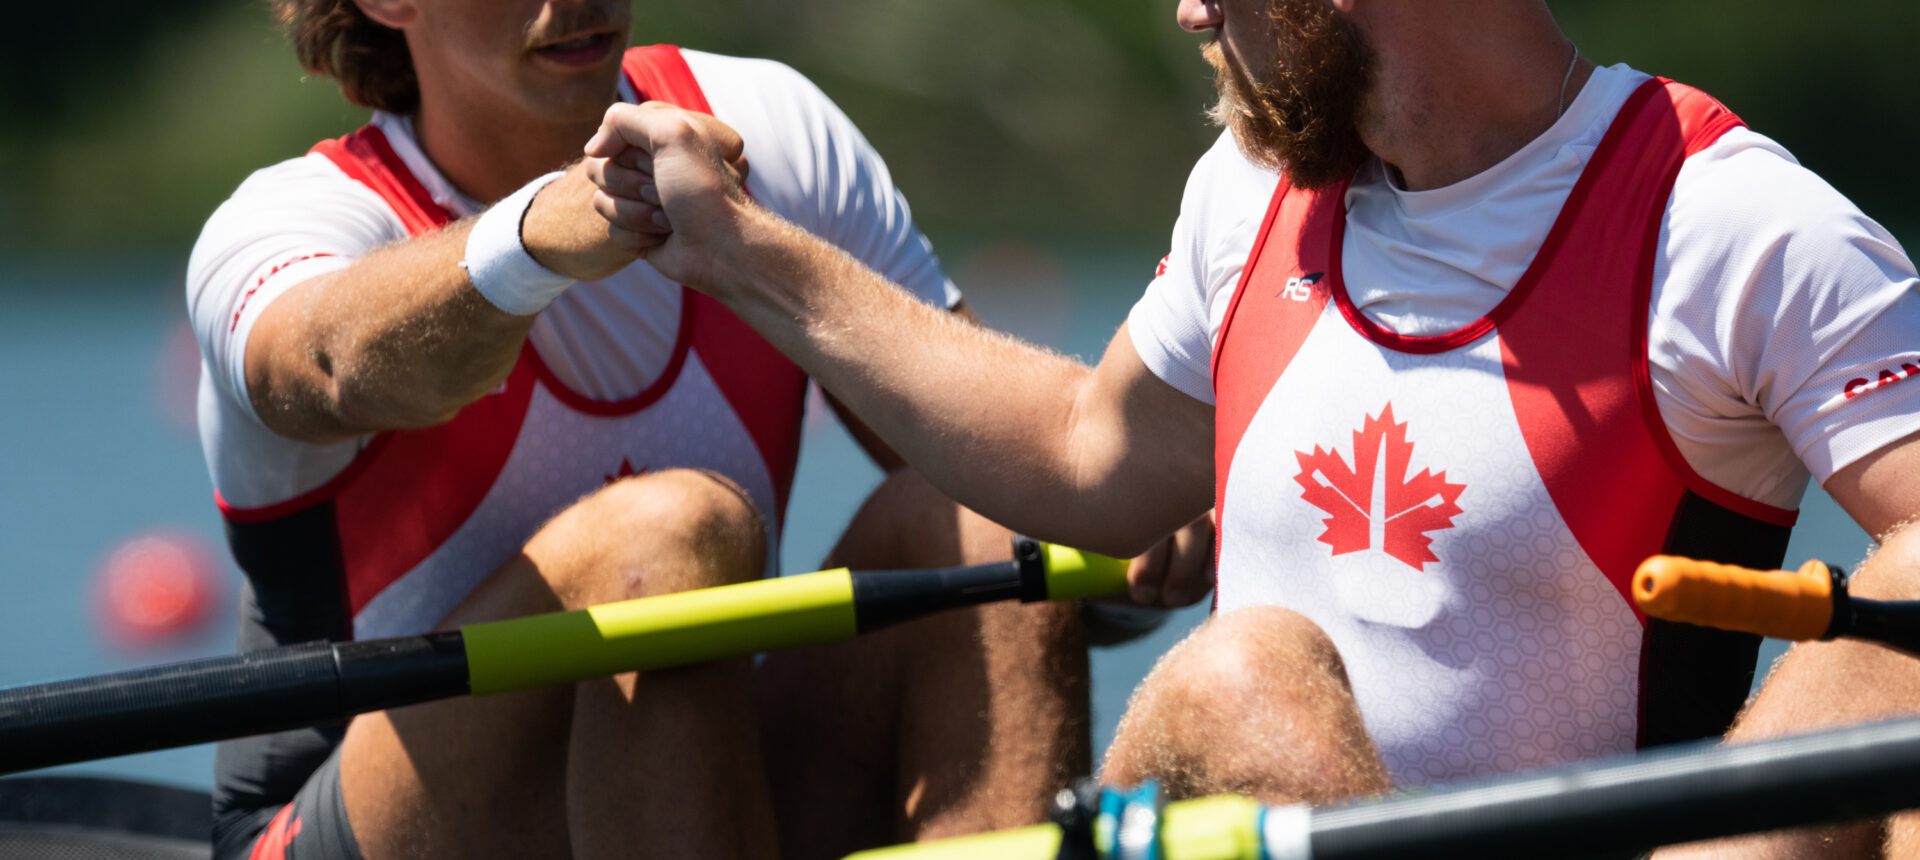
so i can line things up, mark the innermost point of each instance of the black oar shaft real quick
(317, 683)
(223, 697)
(1691, 792)
(884, 597)
(1894, 623)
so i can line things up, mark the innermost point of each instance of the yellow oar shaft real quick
(320, 682)
(655, 632)
(747, 618)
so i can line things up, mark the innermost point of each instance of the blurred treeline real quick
(127, 122)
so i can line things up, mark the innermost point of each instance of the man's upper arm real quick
(1144, 447)
(1801, 311)
(286, 225)
(1881, 490)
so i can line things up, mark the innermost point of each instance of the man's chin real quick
(1309, 162)
(572, 98)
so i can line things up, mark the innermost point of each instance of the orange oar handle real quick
(1796, 606)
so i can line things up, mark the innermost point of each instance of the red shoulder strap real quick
(1703, 119)
(660, 73)
(765, 389)
(369, 159)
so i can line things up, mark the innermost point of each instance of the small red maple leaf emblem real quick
(626, 471)
(272, 845)
(1373, 503)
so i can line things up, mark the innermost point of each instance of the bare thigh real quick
(965, 721)
(495, 776)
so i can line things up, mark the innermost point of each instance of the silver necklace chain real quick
(1571, 63)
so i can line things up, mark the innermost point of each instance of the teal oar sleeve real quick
(657, 632)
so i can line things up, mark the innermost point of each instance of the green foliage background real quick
(126, 123)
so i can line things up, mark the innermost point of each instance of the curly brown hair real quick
(334, 39)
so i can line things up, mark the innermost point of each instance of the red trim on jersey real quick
(323, 493)
(767, 392)
(661, 73)
(1246, 274)
(654, 391)
(1245, 369)
(1596, 434)
(1704, 121)
(369, 159)
(1271, 352)
(1569, 355)
(262, 281)
(1549, 248)
(424, 484)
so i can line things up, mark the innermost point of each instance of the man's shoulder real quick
(748, 74)
(306, 195)
(307, 170)
(1225, 162)
(1746, 190)
(1226, 191)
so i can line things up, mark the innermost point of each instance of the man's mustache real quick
(568, 20)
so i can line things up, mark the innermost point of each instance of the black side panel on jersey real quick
(294, 593)
(1693, 680)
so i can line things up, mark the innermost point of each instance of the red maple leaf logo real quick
(1377, 504)
(272, 845)
(626, 471)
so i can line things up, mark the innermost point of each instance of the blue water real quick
(95, 371)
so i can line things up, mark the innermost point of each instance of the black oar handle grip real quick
(1030, 559)
(256, 692)
(166, 706)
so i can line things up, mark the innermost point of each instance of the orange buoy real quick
(156, 588)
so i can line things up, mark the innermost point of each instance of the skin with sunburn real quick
(508, 90)
(1105, 456)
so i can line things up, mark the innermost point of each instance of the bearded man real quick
(1456, 329)
(435, 393)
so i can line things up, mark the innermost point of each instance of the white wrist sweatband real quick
(498, 263)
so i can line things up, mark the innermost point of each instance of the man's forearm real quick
(399, 339)
(990, 420)
(1110, 459)
(404, 337)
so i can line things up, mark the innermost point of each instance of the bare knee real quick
(1254, 702)
(652, 534)
(1892, 572)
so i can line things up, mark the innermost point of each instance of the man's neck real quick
(487, 156)
(1453, 97)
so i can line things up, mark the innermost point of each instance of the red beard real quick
(1302, 116)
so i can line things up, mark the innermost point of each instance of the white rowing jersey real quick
(384, 535)
(1450, 423)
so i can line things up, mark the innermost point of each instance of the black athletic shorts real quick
(312, 827)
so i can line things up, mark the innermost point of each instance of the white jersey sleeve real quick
(809, 163)
(283, 225)
(287, 223)
(1172, 325)
(1780, 310)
